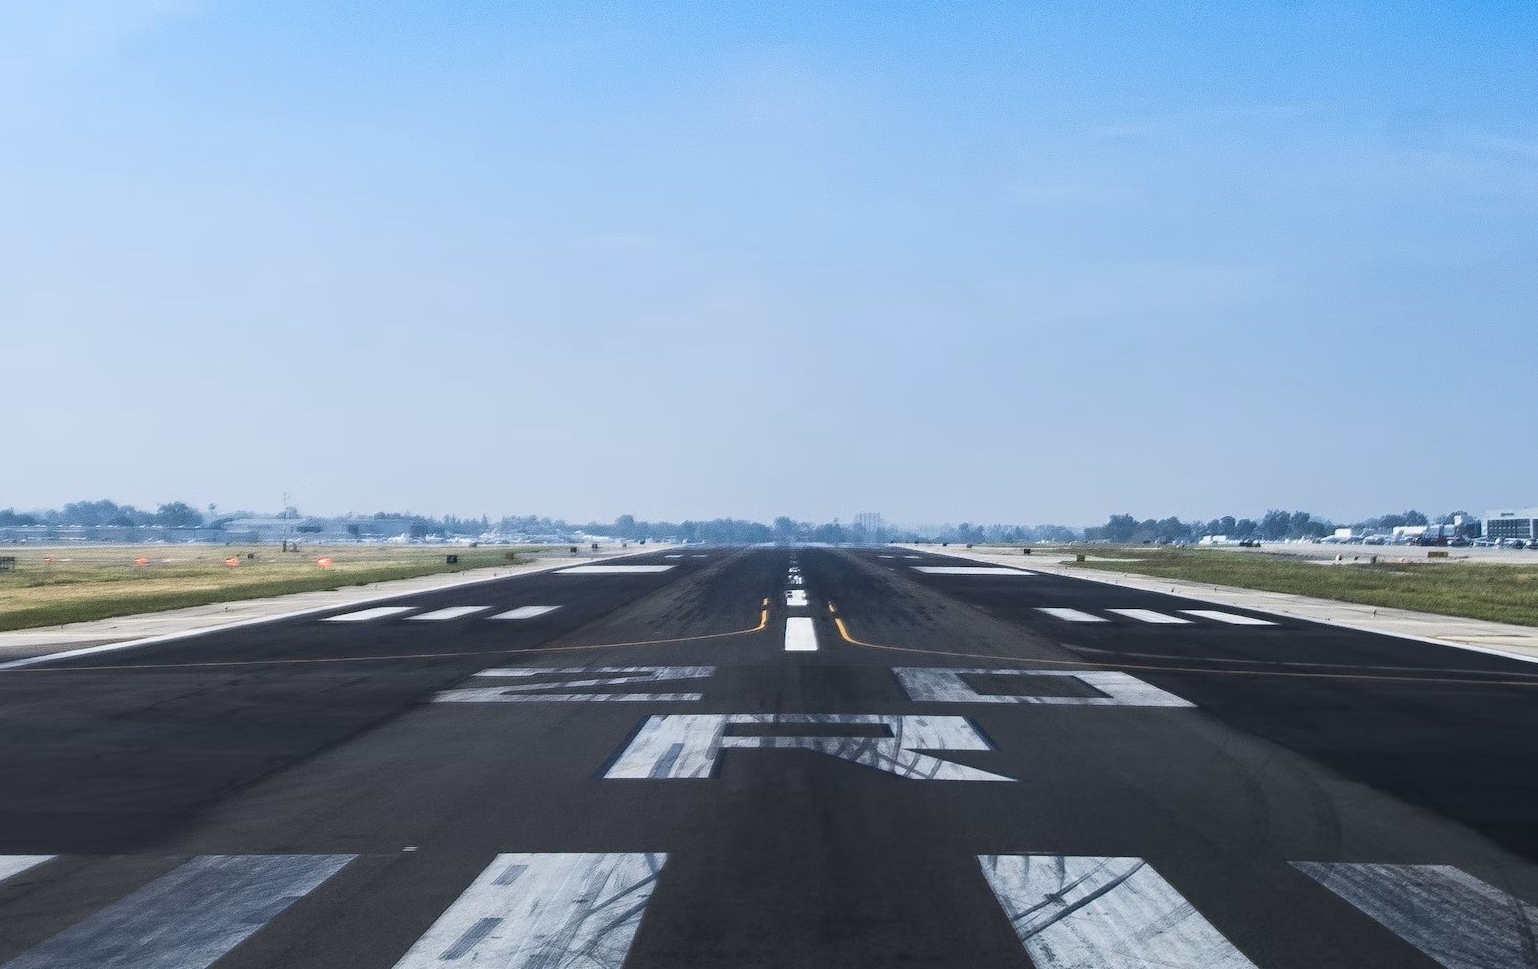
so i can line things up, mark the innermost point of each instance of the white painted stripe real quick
(1232, 618)
(1072, 615)
(452, 612)
(364, 615)
(969, 570)
(189, 918)
(800, 635)
(688, 746)
(600, 674)
(612, 569)
(1148, 615)
(543, 911)
(795, 598)
(1451, 916)
(1120, 689)
(1103, 913)
(500, 694)
(11, 865)
(526, 612)
(578, 679)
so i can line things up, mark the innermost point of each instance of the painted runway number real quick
(689, 746)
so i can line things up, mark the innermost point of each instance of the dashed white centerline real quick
(1072, 615)
(1148, 615)
(364, 615)
(795, 598)
(452, 612)
(800, 635)
(525, 612)
(1232, 618)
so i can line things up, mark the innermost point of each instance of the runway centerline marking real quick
(366, 615)
(1110, 913)
(189, 918)
(800, 635)
(688, 746)
(452, 612)
(544, 911)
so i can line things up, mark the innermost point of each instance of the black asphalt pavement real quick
(776, 757)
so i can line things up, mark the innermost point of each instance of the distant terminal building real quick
(1512, 523)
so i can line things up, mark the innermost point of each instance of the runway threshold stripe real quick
(1232, 618)
(526, 612)
(1148, 615)
(452, 612)
(800, 635)
(969, 570)
(11, 865)
(189, 918)
(538, 911)
(1072, 615)
(1451, 916)
(364, 615)
(1110, 913)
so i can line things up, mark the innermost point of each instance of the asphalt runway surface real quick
(772, 757)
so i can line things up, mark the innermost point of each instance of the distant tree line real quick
(177, 514)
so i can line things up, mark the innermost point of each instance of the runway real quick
(772, 757)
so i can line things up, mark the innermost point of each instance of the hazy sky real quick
(950, 261)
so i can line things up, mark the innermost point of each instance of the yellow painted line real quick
(843, 631)
(763, 623)
(831, 609)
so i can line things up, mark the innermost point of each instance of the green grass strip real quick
(1500, 593)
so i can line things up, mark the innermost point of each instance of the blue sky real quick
(988, 262)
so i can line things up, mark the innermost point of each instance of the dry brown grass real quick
(100, 581)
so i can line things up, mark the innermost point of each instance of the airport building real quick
(1512, 523)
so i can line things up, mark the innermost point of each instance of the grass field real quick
(1503, 593)
(99, 582)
